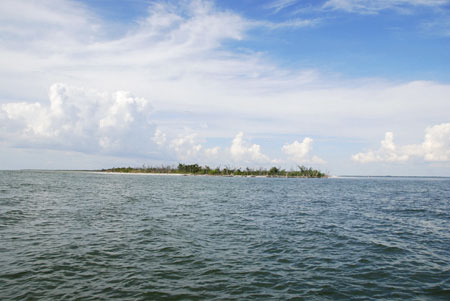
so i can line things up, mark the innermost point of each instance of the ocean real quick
(92, 236)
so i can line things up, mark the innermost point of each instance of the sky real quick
(350, 87)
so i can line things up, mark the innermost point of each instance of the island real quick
(196, 169)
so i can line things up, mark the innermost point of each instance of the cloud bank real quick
(80, 119)
(188, 147)
(435, 147)
(119, 123)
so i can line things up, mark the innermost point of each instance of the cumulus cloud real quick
(436, 147)
(242, 151)
(80, 119)
(189, 147)
(186, 146)
(301, 152)
(91, 121)
(388, 152)
(298, 150)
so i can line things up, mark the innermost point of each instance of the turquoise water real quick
(86, 236)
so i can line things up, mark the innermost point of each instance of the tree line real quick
(196, 169)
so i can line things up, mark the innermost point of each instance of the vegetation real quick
(195, 169)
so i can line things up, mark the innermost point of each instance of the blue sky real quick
(389, 43)
(347, 86)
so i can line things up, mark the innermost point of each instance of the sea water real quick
(91, 236)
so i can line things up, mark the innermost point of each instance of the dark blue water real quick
(86, 236)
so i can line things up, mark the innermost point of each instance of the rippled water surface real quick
(87, 236)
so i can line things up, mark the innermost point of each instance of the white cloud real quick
(242, 151)
(80, 119)
(211, 153)
(437, 143)
(388, 152)
(40, 34)
(279, 5)
(186, 147)
(293, 23)
(189, 147)
(436, 147)
(374, 6)
(169, 41)
(173, 44)
(177, 57)
(159, 137)
(301, 152)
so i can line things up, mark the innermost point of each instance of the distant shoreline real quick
(179, 174)
(198, 170)
(194, 175)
